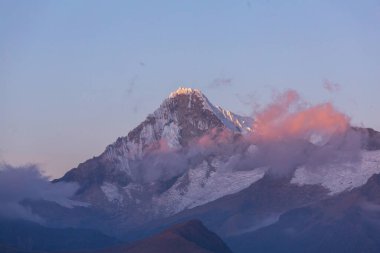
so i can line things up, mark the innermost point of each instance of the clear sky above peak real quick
(75, 75)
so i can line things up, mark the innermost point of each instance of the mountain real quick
(192, 160)
(155, 170)
(188, 237)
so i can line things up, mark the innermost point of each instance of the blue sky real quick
(75, 75)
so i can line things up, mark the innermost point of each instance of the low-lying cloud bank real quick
(27, 183)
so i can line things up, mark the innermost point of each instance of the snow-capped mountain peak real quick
(233, 122)
(185, 115)
(185, 91)
(193, 97)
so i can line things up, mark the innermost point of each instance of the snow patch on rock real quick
(340, 177)
(111, 192)
(171, 135)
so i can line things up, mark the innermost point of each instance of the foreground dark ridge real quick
(188, 237)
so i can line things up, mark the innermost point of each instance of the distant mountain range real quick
(192, 160)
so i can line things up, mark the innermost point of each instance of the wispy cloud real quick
(290, 132)
(27, 183)
(131, 86)
(330, 86)
(249, 99)
(221, 82)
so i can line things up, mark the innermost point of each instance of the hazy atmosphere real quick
(75, 75)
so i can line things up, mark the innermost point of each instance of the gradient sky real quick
(75, 75)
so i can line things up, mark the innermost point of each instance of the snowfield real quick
(340, 177)
(202, 185)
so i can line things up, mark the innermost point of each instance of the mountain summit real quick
(184, 115)
(186, 91)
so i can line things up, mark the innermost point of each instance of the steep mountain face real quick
(154, 171)
(188, 237)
